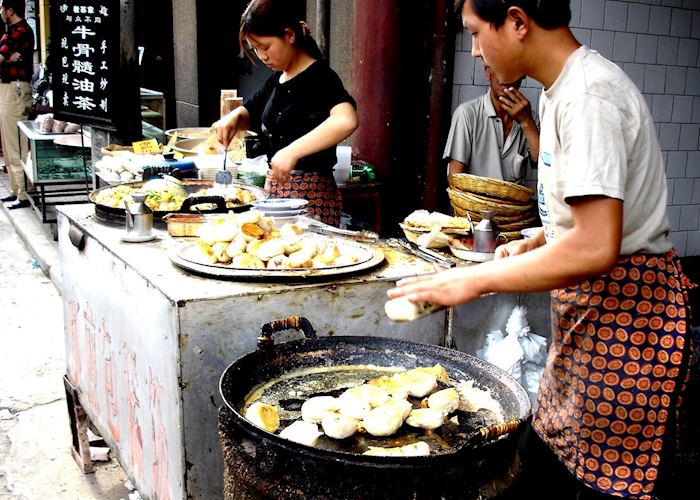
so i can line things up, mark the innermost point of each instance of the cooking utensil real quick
(420, 252)
(116, 214)
(139, 218)
(223, 178)
(364, 235)
(486, 234)
(462, 465)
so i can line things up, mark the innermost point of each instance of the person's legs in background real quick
(15, 105)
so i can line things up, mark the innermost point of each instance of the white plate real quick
(280, 204)
(281, 213)
(471, 255)
(138, 239)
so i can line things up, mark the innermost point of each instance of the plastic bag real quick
(520, 352)
(254, 170)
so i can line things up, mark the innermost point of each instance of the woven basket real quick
(496, 201)
(512, 235)
(530, 221)
(474, 203)
(525, 217)
(490, 187)
(519, 225)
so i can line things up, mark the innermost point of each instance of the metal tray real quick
(373, 256)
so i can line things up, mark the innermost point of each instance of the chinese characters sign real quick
(87, 53)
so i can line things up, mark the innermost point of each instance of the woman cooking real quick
(303, 106)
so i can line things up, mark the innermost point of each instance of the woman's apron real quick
(325, 203)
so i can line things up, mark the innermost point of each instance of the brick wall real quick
(657, 43)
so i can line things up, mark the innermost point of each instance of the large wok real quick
(191, 186)
(481, 465)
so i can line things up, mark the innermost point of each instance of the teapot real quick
(139, 218)
(486, 234)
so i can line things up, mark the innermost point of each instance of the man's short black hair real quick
(17, 6)
(548, 14)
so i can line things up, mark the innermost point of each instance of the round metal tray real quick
(375, 256)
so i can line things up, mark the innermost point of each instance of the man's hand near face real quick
(518, 108)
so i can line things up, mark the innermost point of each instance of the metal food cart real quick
(146, 342)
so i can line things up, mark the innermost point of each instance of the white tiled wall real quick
(657, 43)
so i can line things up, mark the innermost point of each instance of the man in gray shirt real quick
(494, 135)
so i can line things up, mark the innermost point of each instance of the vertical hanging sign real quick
(92, 63)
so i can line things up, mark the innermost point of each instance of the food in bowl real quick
(166, 199)
(169, 197)
(424, 220)
(433, 229)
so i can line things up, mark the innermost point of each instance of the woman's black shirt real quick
(292, 109)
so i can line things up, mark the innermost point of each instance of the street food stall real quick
(151, 328)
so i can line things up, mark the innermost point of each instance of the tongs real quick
(421, 252)
(363, 236)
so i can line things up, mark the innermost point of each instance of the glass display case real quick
(57, 168)
(52, 158)
(153, 113)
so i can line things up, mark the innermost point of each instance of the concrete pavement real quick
(35, 439)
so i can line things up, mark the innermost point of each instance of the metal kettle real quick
(486, 234)
(139, 218)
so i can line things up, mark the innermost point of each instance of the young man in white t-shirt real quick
(618, 357)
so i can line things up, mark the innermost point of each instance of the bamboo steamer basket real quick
(512, 235)
(521, 221)
(490, 187)
(474, 203)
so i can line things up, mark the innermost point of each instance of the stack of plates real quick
(282, 209)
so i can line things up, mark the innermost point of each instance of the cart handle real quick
(266, 338)
(219, 201)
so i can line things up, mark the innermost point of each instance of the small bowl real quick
(463, 252)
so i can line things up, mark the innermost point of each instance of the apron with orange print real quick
(616, 367)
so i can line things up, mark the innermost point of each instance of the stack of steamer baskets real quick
(514, 204)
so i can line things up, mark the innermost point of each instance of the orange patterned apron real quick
(325, 203)
(615, 371)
